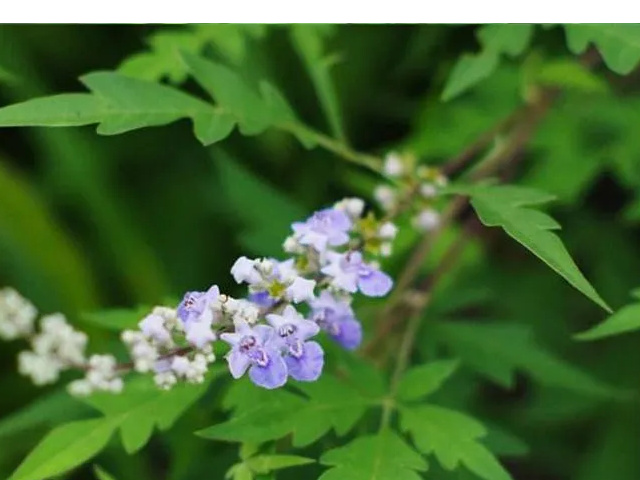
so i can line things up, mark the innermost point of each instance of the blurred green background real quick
(89, 222)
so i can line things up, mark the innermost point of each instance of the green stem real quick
(370, 162)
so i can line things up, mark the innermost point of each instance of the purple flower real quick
(304, 359)
(350, 273)
(337, 319)
(325, 227)
(262, 299)
(196, 306)
(258, 350)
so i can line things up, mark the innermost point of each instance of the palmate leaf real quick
(142, 407)
(498, 350)
(384, 456)
(619, 44)
(509, 207)
(120, 104)
(497, 40)
(260, 415)
(453, 438)
(625, 320)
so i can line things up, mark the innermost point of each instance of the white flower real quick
(352, 206)
(244, 270)
(393, 166)
(385, 196)
(428, 190)
(426, 220)
(17, 315)
(153, 327)
(165, 380)
(388, 231)
(200, 334)
(42, 369)
(80, 388)
(291, 245)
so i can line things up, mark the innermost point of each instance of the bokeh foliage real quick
(90, 223)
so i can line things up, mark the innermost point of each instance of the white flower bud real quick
(385, 196)
(388, 231)
(393, 165)
(352, 206)
(426, 220)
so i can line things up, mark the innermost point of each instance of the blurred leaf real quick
(143, 405)
(265, 212)
(627, 319)
(384, 456)
(569, 74)
(497, 40)
(421, 381)
(497, 350)
(66, 447)
(268, 463)
(453, 438)
(120, 104)
(619, 44)
(43, 412)
(506, 207)
(101, 474)
(117, 319)
(504, 443)
(308, 41)
(25, 226)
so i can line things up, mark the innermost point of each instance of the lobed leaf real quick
(619, 44)
(453, 438)
(508, 207)
(625, 320)
(384, 456)
(423, 380)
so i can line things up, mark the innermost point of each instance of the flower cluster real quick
(420, 183)
(270, 334)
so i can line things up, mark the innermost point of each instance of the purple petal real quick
(375, 284)
(274, 375)
(308, 367)
(238, 363)
(349, 333)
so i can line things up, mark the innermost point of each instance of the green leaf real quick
(423, 380)
(453, 438)
(142, 406)
(46, 411)
(66, 447)
(254, 111)
(619, 44)
(101, 474)
(117, 319)
(508, 207)
(498, 350)
(569, 74)
(374, 457)
(120, 104)
(308, 41)
(240, 471)
(627, 319)
(268, 463)
(497, 40)
(260, 416)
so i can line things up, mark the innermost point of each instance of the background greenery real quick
(90, 222)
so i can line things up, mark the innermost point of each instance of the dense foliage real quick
(500, 353)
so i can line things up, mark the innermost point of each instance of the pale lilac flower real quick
(197, 306)
(336, 317)
(301, 290)
(153, 326)
(328, 227)
(304, 359)
(244, 271)
(350, 273)
(200, 334)
(258, 350)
